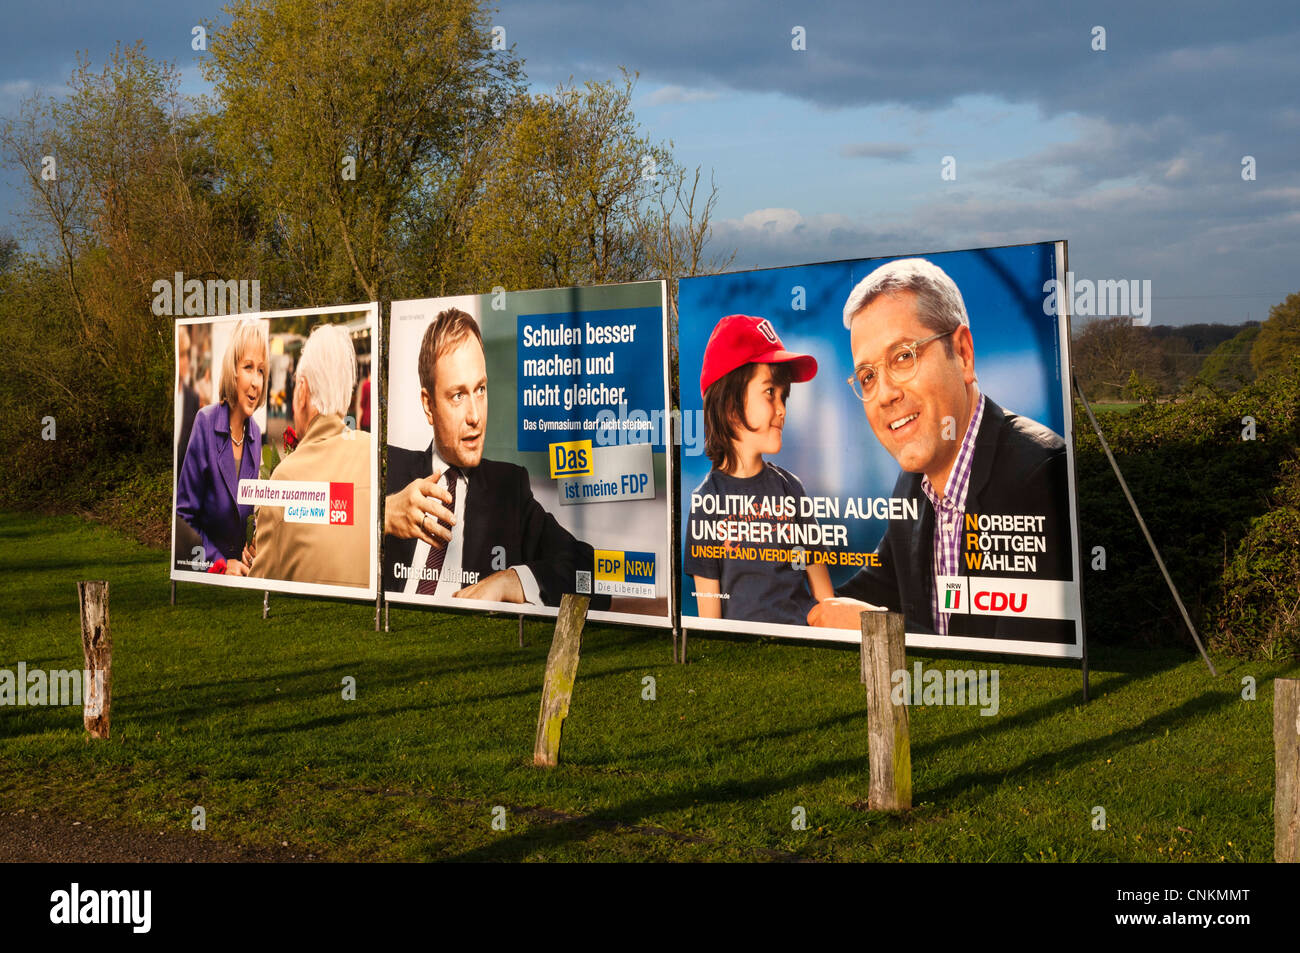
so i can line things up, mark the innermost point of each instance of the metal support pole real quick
(1145, 532)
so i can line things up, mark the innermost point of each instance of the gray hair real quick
(329, 365)
(939, 306)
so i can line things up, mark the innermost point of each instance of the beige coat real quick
(331, 555)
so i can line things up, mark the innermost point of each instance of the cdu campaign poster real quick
(888, 433)
(275, 466)
(526, 452)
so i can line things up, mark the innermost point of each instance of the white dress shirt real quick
(450, 579)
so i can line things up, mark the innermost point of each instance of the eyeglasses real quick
(901, 366)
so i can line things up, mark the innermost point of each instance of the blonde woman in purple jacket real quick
(226, 447)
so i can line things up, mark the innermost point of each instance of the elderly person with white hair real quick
(333, 548)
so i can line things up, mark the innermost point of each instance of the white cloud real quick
(893, 151)
(768, 220)
(667, 95)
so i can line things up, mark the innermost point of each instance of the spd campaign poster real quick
(882, 433)
(275, 466)
(526, 452)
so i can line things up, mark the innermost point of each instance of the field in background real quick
(214, 707)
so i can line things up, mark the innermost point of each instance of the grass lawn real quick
(213, 706)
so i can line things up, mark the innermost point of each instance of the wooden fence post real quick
(1286, 789)
(561, 672)
(889, 734)
(97, 646)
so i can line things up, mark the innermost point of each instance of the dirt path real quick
(40, 836)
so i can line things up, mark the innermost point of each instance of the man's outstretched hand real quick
(840, 613)
(503, 586)
(414, 511)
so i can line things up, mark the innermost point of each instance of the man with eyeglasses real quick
(914, 371)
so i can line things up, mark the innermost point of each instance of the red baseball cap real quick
(740, 339)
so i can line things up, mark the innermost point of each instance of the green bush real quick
(1258, 612)
(1203, 491)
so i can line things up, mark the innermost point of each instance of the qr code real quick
(584, 582)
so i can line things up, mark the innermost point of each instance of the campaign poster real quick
(887, 433)
(526, 459)
(275, 464)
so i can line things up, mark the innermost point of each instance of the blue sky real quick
(1133, 154)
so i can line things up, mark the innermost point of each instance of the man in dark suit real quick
(456, 524)
(990, 486)
(187, 398)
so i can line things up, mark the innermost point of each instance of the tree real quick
(561, 190)
(9, 252)
(675, 227)
(1228, 366)
(1107, 351)
(123, 187)
(346, 120)
(574, 193)
(1279, 337)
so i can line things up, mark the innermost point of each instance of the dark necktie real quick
(429, 580)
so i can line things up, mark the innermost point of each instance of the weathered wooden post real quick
(1286, 788)
(97, 646)
(521, 632)
(561, 672)
(889, 735)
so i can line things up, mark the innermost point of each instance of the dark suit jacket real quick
(206, 491)
(500, 510)
(189, 408)
(1019, 467)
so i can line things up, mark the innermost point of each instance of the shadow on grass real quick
(1000, 725)
(568, 830)
(632, 814)
(1090, 749)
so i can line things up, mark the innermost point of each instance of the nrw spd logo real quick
(340, 504)
(621, 573)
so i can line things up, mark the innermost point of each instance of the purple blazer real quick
(206, 492)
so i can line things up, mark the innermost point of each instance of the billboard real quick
(275, 466)
(891, 433)
(564, 486)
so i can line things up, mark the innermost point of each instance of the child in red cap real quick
(738, 511)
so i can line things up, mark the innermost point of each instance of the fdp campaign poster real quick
(526, 452)
(275, 467)
(882, 433)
